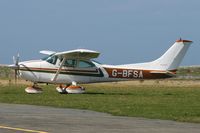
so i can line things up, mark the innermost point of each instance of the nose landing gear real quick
(34, 89)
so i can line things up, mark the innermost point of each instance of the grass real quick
(6, 73)
(172, 102)
(189, 71)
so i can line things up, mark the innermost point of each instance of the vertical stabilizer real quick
(171, 59)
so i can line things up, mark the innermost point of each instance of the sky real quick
(123, 31)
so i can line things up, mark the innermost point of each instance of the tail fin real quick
(171, 59)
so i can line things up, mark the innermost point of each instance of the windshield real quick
(51, 59)
(46, 57)
(96, 62)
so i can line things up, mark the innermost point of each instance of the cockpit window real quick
(52, 59)
(70, 63)
(77, 63)
(85, 64)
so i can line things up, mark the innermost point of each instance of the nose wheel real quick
(34, 89)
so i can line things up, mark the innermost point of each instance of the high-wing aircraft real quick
(77, 66)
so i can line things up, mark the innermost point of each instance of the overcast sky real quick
(124, 31)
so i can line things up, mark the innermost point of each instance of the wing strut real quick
(58, 71)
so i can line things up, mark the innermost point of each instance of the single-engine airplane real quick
(76, 66)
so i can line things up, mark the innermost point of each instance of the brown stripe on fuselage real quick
(137, 73)
(54, 70)
(96, 72)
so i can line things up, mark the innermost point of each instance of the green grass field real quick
(174, 102)
(189, 71)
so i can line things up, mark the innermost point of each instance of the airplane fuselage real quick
(40, 71)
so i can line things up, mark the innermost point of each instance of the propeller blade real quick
(17, 59)
(16, 62)
(15, 76)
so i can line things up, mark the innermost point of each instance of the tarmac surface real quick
(38, 119)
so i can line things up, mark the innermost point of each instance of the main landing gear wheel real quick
(33, 89)
(70, 89)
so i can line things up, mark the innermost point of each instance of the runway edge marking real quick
(21, 129)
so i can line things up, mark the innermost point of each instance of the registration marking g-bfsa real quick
(127, 73)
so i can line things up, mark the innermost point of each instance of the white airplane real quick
(76, 66)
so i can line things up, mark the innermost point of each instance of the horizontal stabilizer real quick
(164, 72)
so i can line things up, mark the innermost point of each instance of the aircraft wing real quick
(47, 52)
(79, 53)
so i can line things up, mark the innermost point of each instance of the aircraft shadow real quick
(102, 93)
(94, 93)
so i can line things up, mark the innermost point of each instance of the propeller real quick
(16, 63)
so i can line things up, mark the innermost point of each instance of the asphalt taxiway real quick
(37, 119)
